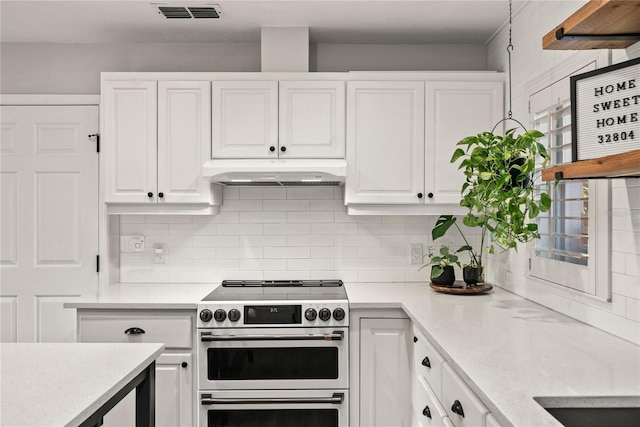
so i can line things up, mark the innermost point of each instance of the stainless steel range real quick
(274, 353)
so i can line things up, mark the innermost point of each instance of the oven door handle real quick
(333, 336)
(208, 399)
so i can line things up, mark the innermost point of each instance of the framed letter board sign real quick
(605, 111)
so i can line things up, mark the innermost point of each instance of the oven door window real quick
(273, 418)
(269, 363)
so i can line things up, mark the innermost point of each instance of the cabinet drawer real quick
(426, 408)
(491, 421)
(455, 390)
(427, 361)
(174, 330)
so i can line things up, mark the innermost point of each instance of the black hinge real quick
(97, 135)
(97, 263)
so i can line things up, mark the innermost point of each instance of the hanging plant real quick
(498, 188)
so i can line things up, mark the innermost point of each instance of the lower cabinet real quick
(440, 396)
(384, 369)
(175, 368)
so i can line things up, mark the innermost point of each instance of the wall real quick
(44, 68)
(621, 316)
(279, 233)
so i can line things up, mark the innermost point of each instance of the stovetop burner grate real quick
(282, 283)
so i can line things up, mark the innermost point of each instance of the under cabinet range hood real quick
(267, 172)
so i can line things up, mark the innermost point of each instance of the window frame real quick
(597, 274)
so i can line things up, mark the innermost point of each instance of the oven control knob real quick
(220, 315)
(205, 315)
(234, 315)
(338, 314)
(310, 314)
(325, 314)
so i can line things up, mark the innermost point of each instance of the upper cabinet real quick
(385, 142)
(156, 137)
(454, 110)
(271, 119)
(401, 136)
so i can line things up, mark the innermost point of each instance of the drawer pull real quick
(426, 362)
(134, 331)
(426, 412)
(457, 408)
(415, 339)
(184, 364)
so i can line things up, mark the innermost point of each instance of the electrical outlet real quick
(416, 253)
(160, 254)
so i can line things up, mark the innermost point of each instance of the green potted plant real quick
(471, 271)
(442, 272)
(498, 190)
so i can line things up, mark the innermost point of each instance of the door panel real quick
(49, 217)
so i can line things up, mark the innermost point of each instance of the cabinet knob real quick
(419, 195)
(149, 194)
(426, 362)
(184, 364)
(457, 408)
(161, 195)
(430, 195)
(134, 331)
(426, 412)
(283, 148)
(272, 148)
(415, 339)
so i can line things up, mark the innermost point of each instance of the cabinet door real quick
(385, 142)
(184, 141)
(384, 372)
(129, 141)
(311, 119)
(455, 110)
(174, 395)
(244, 119)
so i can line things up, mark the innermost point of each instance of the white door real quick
(455, 110)
(184, 141)
(385, 387)
(129, 141)
(244, 119)
(49, 222)
(312, 119)
(385, 142)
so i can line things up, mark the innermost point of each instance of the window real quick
(574, 247)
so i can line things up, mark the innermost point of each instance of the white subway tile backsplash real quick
(310, 217)
(263, 217)
(326, 205)
(308, 193)
(287, 229)
(215, 241)
(264, 240)
(221, 218)
(310, 264)
(287, 275)
(144, 229)
(334, 252)
(286, 205)
(310, 240)
(287, 252)
(192, 229)
(263, 264)
(240, 229)
(335, 229)
(168, 219)
(241, 205)
(245, 252)
(393, 228)
(381, 276)
(382, 252)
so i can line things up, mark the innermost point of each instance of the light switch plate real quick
(132, 244)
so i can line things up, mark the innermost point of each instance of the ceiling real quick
(329, 21)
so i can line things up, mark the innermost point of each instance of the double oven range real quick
(274, 353)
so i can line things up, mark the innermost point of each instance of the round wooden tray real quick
(461, 288)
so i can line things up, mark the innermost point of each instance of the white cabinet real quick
(278, 120)
(245, 119)
(155, 139)
(454, 110)
(462, 406)
(174, 368)
(384, 385)
(385, 142)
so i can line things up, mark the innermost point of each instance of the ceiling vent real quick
(209, 11)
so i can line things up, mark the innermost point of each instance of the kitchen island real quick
(68, 384)
(507, 349)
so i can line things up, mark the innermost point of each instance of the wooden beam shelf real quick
(599, 24)
(614, 166)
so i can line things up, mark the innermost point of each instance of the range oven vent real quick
(194, 12)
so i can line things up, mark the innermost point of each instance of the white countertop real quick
(509, 349)
(162, 296)
(505, 347)
(62, 384)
